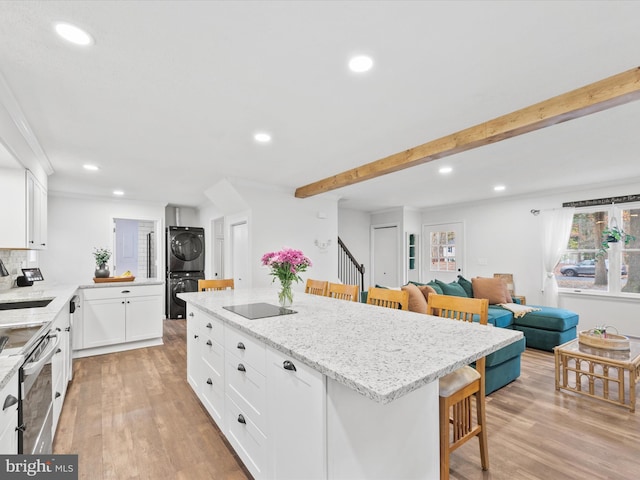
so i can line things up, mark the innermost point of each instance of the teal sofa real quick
(543, 329)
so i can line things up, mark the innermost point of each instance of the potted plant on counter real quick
(102, 256)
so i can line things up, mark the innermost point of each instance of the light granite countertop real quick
(61, 294)
(136, 282)
(379, 352)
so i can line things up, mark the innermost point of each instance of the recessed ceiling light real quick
(118, 192)
(92, 168)
(445, 170)
(73, 34)
(262, 137)
(360, 64)
(499, 188)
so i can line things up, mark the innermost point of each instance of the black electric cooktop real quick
(253, 311)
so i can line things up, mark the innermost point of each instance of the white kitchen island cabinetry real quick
(296, 406)
(120, 317)
(351, 389)
(270, 409)
(205, 362)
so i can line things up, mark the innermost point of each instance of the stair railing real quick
(349, 270)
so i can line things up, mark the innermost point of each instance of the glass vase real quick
(285, 296)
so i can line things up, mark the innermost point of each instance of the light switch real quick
(483, 261)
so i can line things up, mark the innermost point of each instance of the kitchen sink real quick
(25, 304)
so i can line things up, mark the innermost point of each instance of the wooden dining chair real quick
(385, 297)
(316, 287)
(222, 284)
(343, 292)
(458, 387)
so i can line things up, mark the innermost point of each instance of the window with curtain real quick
(588, 267)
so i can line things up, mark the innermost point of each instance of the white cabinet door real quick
(115, 315)
(36, 214)
(14, 210)
(143, 318)
(296, 397)
(194, 359)
(9, 417)
(104, 322)
(59, 366)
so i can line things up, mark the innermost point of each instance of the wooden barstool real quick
(343, 292)
(385, 297)
(316, 287)
(457, 388)
(222, 284)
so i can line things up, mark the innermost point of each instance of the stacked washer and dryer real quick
(185, 266)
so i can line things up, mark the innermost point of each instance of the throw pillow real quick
(466, 284)
(426, 291)
(453, 288)
(417, 301)
(436, 287)
(493, 289)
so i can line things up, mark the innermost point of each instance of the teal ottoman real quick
(548, 327)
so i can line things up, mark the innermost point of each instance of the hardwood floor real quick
(133, 415)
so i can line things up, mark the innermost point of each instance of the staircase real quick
(349, 270)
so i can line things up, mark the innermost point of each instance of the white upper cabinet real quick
(24, 212)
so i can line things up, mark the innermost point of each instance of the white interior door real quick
(218, 248)
(240, 254)
(385, 256)
(443, 251)
(126, 246)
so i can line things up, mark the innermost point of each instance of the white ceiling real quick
(167, 100)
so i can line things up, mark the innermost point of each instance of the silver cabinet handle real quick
(287, 365)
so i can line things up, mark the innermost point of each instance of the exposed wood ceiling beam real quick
(610, 92)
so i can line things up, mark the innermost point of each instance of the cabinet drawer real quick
(120, 290)
(212, 327)
(212, 395)
(248, 349)
(213, 355)
(247, 387)
(248, 441)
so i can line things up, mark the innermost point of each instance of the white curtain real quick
(556, 229)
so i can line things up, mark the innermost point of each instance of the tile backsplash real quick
(13, 260)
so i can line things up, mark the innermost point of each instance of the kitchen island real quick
(370, 402)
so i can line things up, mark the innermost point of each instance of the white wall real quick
(507, 235)
(77, 225)
(206, 215)
(276, 220)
